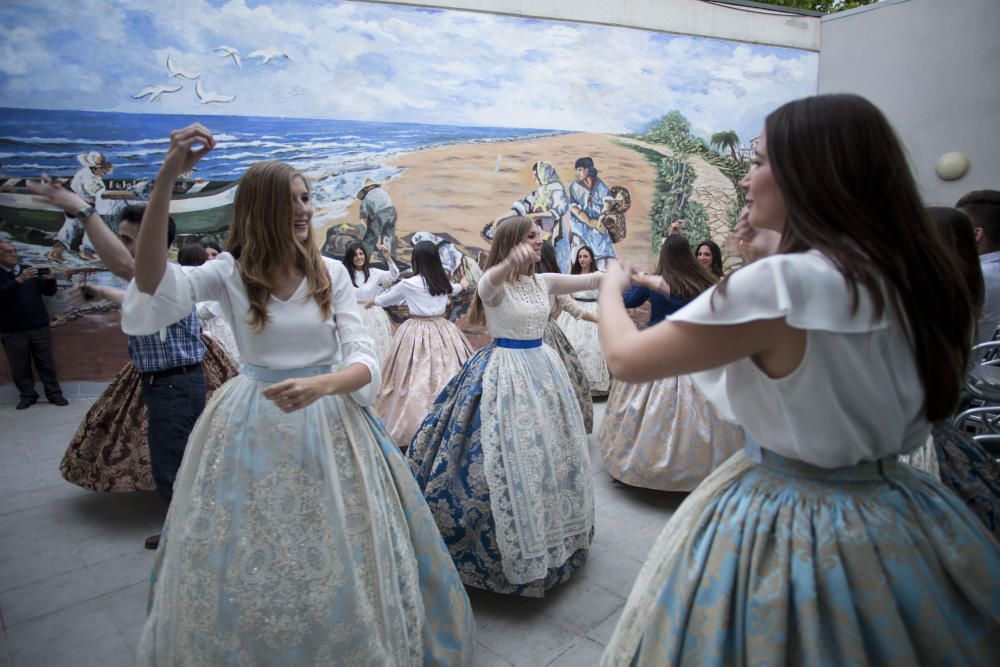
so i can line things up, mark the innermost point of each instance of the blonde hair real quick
(261, 237)
(507, 234)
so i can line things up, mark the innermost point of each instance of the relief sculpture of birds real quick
(230, 52)
(174, 71)
(268, 54)
(154, 92)
(207, 97)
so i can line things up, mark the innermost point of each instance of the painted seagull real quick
(269, 54)
(173, 71)
(208, 97)
(230, 52)
(155, 91)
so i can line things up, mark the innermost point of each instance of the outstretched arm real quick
(187, 146)
(111, 251)
(559, 283)
(677, 348)
(520, 258)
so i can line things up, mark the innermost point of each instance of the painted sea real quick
(338, 154)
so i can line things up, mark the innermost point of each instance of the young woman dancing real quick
(296, 534)
(368, 282)
(427, 350)
(503, 457)
(663, 434)
(583, 333)
(814, 545)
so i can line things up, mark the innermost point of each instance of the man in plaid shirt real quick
(169, 362)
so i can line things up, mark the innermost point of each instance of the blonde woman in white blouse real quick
(296, 534)
(368, 282)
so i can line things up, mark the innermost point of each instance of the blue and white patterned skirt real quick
(503, 462)
(300, 539)
(779, 562)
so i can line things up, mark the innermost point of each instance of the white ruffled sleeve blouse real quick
(856, 395)
(296, 335)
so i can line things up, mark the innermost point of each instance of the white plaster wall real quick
(690, 17)
(934, 68)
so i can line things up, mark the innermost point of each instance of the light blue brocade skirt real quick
(300, 539)
(774, 561)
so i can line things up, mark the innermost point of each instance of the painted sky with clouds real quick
(362, 61)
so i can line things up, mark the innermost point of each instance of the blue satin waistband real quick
(262, 374)
(519, 344)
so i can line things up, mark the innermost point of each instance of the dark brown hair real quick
(681, 269)
(576, 268)
(426, 263)
(983, 207)
(955, 230)
(713, 248)
(849, 193)
(353, 248)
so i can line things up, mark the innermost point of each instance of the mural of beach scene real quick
(454, 118)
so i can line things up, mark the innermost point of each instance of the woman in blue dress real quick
(297, 535)
(502, 458)
(835, 353)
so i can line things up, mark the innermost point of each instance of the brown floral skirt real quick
(109, 451)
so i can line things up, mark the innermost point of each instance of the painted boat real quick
(198, 207)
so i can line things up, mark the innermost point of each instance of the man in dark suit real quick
(24, 327)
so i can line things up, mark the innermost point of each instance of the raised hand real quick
(522, 256)
(752, 243)
(618, 275)
(48, 191)
(187, 147)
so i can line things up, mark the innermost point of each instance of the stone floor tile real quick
(46, 596)
(100, 513)
(613, 570)
(29, 561)
(578, 604)
(123, 571)
(43, 495)
(4, 656)
(26, 526)
(602, 633)
(487, 658)
(585, 653)
(114, 543)
(104, 651)
(60, 632)
(526, 636)
(130, 635)
(127, 605)
(487, 607)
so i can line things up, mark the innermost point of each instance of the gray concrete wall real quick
(758, 25)
(934, 68)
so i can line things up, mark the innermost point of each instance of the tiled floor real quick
(74, 573)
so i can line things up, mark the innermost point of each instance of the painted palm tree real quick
(726, 140)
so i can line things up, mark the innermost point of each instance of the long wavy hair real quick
(849, 194)
(262, 237)
(507, 235)
(713, 248)
(681, 269)
(426, 263)
(348, 260)
(576, 268)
